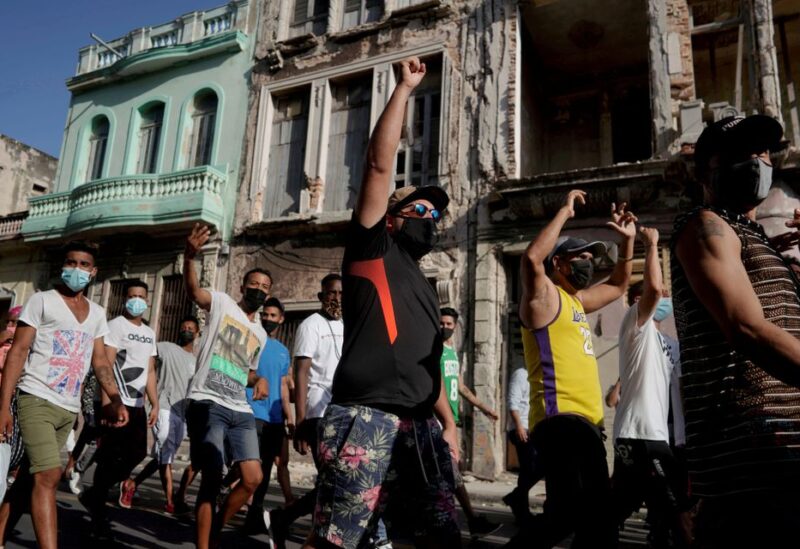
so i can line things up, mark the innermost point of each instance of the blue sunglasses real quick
(422, 209)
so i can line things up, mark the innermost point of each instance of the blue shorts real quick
(213, 429)
(372, 462)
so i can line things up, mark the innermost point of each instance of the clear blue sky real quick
(39, 47)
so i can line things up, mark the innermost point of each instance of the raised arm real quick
(539, 303)
(382, 148)
(15, 363)
(196, 240)
(653, 279)
(710, 252)
(597, 297)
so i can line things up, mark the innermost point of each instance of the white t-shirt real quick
(135, 345)
(320, 340)
(229, 350)
(61, 353)
(645, 370)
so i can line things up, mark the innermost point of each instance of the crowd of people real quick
(706, 428)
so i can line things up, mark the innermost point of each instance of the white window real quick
(150, 138)
(347, 141)
(418, 154)
(309, 17)
(285, 177)
(358, 12)
(97, 147)
(204, 113)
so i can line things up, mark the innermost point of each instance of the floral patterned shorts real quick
(372, 462)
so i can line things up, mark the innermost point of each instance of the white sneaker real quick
(75, 482)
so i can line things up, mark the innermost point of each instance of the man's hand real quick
(153, 417)
(412, 71)
(522, 434)
(260, 389)
(785, 241)
(648, 236)
(300, 442)
(450, 436)
(116, 413)
(491, 414)
(574, 196)
(6, 426)
(290, 429)
(622, 221)
(197, 239)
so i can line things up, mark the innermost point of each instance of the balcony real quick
(11, 225)
(192, 36)
(129, 203)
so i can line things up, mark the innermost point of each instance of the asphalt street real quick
(146, 525)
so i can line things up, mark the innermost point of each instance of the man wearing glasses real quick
(379, 441)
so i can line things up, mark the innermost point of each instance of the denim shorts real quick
(372, 465)
(219, 436)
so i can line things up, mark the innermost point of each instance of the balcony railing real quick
(11, 225)
(183, 30)
(127, 202)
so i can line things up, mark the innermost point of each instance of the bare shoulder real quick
(705, 231)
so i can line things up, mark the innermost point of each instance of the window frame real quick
(94, 169)
(150, 134)
(205, 134)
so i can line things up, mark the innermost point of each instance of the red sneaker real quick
(169, 508)
(126, 490)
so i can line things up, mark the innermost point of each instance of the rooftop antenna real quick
(105, 45)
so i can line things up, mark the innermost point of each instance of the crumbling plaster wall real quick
(22, 166)
(479, 42)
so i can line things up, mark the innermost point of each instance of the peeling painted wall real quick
(24, 172)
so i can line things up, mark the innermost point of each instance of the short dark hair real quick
(332, 277)
(449, 311)
(274, 302)
(190, 318)
(635, 289)
(257, 270)
(85, 246)
(136, 283)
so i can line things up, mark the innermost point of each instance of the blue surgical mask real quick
(663, 309)
(136, 306)
(75, 279)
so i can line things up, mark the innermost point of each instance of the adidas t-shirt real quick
(135, 346)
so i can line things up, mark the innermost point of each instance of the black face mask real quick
(254, 298)
(581, 272)
(269, 325)
(744, 185)
(447, 333)
(417, 236)
(185, 337)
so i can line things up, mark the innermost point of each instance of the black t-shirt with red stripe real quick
(392, 339)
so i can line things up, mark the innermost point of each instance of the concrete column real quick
(192, 27)
(765, 58)
(319, 116)
(140, 40)
(660, 99)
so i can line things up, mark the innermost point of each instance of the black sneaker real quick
(481, 526)
(254, 524)
(519, 506)
(181, 508)
(278, 530)
(101, 531)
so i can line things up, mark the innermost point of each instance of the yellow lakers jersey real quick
(562, 368)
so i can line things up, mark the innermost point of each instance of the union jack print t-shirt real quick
(61, 352)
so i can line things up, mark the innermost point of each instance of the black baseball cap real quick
(571, 245)
(738, 135)
(406, 195)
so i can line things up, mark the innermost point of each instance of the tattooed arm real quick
(115, 411)
(710, 254)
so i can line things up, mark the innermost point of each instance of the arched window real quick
(97, 147)
(204, 114)
(152, 119)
